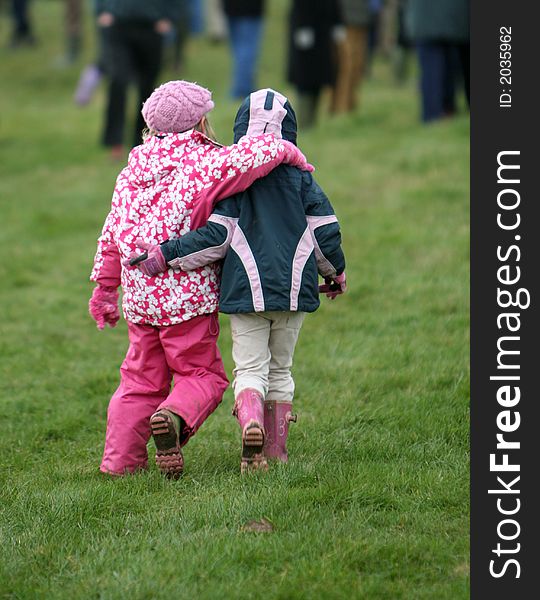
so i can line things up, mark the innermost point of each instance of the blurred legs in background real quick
(133, 52)
(403, 47)
(180, 36)
(352, 54)
(216, 21)
(436, 80)
(196, 17)
(440, 63)
(22, 30)
(374, 34)
(307, 102)
(73, 18)
(245, 34)
(92, 74)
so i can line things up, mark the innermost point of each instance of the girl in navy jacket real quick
(274, 239)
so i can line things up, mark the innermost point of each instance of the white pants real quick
(263, 348)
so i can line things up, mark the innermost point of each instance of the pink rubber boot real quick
(277, 416)
(248, 409)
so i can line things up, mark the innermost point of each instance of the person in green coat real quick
(440, 32)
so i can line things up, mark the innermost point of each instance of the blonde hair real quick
(148, 133)
(206, 128)
(203, 126)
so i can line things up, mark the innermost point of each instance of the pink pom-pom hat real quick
(176, 106)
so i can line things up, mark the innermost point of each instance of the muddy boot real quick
(166, 427)
(277, 416)
(248, 409)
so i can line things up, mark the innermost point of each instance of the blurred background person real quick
(196, 16)
(245, 23)
(216, 22)
(133, 32)
(374, 31)
(189, 23)
(22, 34)
(387, 27)
(352, 54)
(313, 28)
(440, 32)
(73, 32)
(392, 42)
(403, 47)
(93, 73)
(74, 18)
(177, 38)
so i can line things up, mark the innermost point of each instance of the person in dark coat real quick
(245, 22)
(440, 31)
(313, 29)
(352, 54)
(132, 35)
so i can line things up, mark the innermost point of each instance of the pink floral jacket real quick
(169, 187)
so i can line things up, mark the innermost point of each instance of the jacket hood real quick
(266, 111)
(154, 159)
(159, 155)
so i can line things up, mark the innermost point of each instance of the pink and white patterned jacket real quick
(169, 187)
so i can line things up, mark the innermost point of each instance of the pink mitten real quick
(295, 158)
(334, 286)
(152, 264)
(103, 306)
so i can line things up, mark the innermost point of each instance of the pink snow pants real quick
(186, 355)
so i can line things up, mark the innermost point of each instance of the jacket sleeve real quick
(207, 244)
(232, 169)
(324, 228)
(107, 265)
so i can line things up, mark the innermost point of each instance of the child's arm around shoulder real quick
(324, 227)
(207, 244)
(228, 170)
(195, 249)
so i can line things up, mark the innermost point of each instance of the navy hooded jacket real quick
(276, 237)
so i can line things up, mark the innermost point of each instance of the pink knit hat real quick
(176, 106)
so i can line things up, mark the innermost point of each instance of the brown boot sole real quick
(252, 449)
(169, 457)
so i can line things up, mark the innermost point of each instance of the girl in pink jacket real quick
(169, 187)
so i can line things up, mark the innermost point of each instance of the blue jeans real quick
(437, 75)
(196, 20)
(245, 34)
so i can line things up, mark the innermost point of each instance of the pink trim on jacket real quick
(211, 254)
(240, 245)
(301, 255)
(326, 268)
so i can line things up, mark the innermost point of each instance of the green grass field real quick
(375, 500)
